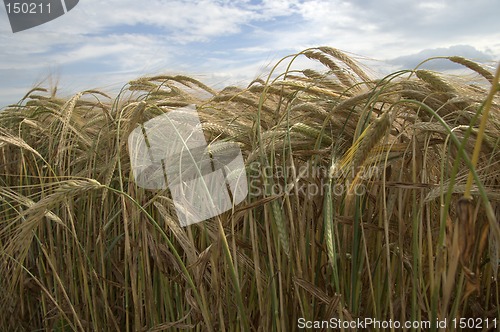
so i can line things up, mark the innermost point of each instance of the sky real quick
(104, 44)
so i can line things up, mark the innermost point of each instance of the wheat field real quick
(368, 198)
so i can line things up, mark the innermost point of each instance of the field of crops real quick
(367, 198)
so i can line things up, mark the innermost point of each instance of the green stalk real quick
(479, 140)
(186, 273)
(234, 277)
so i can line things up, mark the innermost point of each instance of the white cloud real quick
(184, 21)
(432, 5)
(412, 60)
(231, 40)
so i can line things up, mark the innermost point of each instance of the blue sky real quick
(104, 44)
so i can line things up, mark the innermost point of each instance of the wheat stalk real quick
(347, 60)
(312, 132)
(370, 137)
(473, 66)
(336, 70)
(435, 81)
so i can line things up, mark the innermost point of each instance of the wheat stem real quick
(479, 140)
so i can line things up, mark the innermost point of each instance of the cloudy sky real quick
(104, 44)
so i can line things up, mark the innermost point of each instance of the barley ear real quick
(474, 66)
(369, 139)
(435, 81)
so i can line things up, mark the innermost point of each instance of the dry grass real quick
(354, 210)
